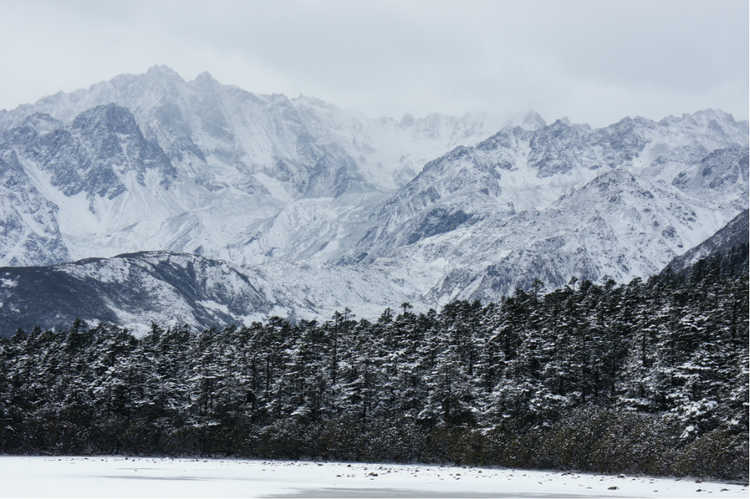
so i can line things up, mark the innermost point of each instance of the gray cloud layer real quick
(594, 61)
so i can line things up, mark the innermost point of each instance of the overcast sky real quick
(593, 61)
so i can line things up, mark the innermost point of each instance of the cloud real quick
(592, 61)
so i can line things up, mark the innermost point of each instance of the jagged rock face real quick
(118, 144)
(101, 146)
(29, 233)
(720, 171)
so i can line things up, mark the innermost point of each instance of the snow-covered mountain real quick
(562, 201)
(547, 203)
(196, 165)
(324, 208)
(702, 155)
(290, 147)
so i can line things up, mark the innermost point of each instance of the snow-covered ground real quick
(161, 477)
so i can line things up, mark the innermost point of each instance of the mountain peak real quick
(701, 117)
(204, 78)
(163, 71)
(533, 121)
(712, 114)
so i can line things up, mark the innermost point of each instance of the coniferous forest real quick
(646, 377)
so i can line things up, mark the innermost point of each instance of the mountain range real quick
(228, 206)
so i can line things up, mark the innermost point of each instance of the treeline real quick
(647, 377)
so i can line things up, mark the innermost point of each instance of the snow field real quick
(165, 477)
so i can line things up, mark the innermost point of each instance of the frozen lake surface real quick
(164, 477)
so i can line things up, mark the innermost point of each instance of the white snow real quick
(8, 283)
(212, 305)
(164, 477)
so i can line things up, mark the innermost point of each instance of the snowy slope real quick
(172, 289)
(614, 227)
(734, 234)
(28, 224)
